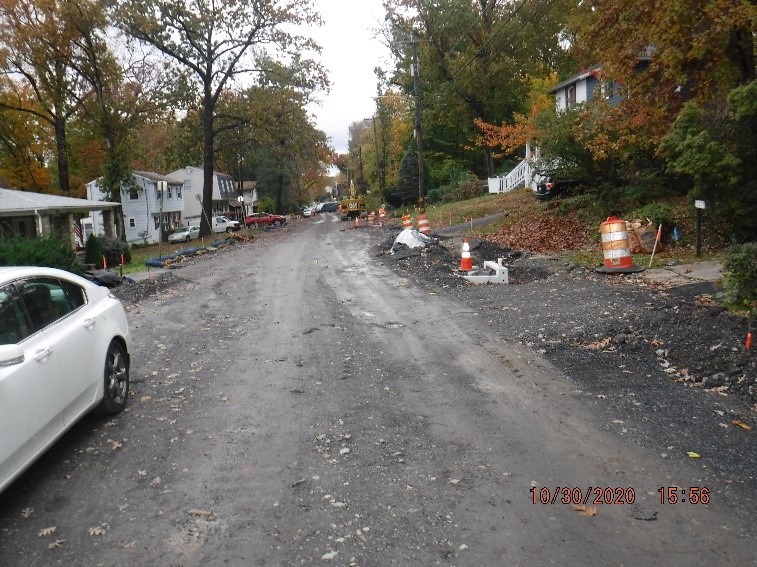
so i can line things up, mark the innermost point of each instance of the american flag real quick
(78, 234)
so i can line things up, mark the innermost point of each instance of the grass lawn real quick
(141, 253)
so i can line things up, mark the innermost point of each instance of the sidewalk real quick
(706, 271)
(143, 275)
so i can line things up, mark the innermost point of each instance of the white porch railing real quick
(518, 177)
(522, 175)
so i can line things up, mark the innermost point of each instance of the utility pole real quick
(418, 132)
(379, 157)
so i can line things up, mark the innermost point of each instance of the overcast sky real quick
(349, 55)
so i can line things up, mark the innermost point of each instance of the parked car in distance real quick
(552, 185)
(264, 219)
(185, 234)
(330, 207)
(224, 224)
(308, 212)
(64, 351)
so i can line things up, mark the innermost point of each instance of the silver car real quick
(64, 351)
(185, 234)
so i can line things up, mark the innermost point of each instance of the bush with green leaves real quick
(50, 252)
(740, 276)
(659, 213)
(113, 249)
(93, 252)
(267, 205)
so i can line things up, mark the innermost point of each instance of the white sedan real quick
(64, 351)
(185, 234)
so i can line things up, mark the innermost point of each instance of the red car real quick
(264, 219)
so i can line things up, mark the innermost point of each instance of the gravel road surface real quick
(305, 399)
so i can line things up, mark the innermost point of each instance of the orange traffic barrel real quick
(407, 222)
(382, 214)
(371, 217)
(615, 247)
(466, 262)
(423, 226)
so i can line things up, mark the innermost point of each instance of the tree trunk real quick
(207, 163)
(61, 146)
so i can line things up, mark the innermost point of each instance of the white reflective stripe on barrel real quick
(620, 253)
(613, 236)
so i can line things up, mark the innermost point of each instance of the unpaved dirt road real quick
(296, 403)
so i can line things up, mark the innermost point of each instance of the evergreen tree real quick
(406, 190)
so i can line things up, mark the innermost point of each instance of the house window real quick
(570, 96)
(133, 195)
(178, 192)
(156, 218)
(170, 195)
(132, 223)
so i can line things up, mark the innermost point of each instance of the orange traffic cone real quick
(357, 222)
(466, 263)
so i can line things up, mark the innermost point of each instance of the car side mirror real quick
(10, 355)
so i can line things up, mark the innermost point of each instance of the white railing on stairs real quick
(520, 176)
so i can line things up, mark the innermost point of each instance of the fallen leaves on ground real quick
(114, 445)
(45, 532)
(26, 512)
(544, 233)
(741, 424)
(98, 531)
(589, 511)
(599, 345)
(200, 513)
(693, 455)
(56, 544)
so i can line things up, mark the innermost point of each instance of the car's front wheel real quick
(116, 379)
(276, 224)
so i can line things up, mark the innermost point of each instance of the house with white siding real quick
(571, 93)
(225, 194)
(150, 198)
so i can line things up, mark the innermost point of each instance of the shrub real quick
(740, 276)
(658, 213)
(93, 252)
(50, 252)
(267, 205)
(462, 185)
(113, 249)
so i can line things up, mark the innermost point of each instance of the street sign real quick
(700, 204)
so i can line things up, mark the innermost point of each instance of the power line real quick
(488, 40)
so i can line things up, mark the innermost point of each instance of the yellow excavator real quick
(353, 206)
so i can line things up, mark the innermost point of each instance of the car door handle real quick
(89, 322)
(42, 353)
